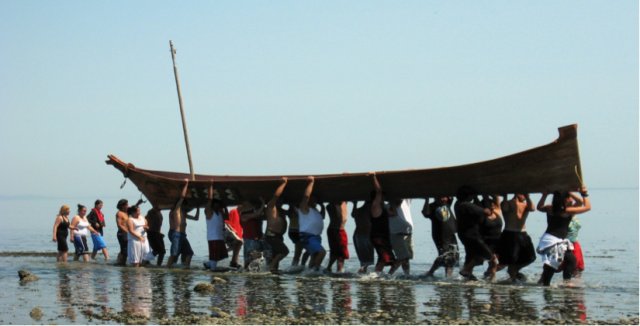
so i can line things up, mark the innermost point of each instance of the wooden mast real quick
(184, 122)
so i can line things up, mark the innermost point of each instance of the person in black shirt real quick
(470, 216)
(380, 237)
(559, 215)
(443, 232)
(491, 229)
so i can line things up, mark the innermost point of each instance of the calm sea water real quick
(608, 289)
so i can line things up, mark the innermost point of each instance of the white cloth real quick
(138, 250)
(552, 249)
(215, 227)
(311, 222)
(402, 223)
(82, 228)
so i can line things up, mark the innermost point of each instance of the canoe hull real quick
(555, 166)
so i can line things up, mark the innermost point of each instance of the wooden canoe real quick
(555, 166)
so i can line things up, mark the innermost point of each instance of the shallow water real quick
(86, 293)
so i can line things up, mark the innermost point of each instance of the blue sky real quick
(304, 87)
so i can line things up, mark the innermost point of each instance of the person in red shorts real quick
(338, 243)
(380, 237)
(574, 228)
(233, 237)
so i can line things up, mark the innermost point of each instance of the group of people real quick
(81, 228)
(491, 228)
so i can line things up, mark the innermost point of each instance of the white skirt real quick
(137, 251)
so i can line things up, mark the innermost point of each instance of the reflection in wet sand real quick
(64, 294)
(159, 295)
(180, 287)
(311, 295)
(341, 299)
(136, 292)
(564, 304)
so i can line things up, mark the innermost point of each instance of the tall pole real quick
(184, 122)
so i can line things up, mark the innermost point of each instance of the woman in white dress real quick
(138, 246)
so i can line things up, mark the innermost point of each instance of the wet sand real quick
(99, 293)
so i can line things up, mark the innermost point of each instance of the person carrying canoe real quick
(338, 243)
(380, 229)
(362, 234)
(154, 234)
(311, 225)
(470, 216)
(276, 228)
(555, 249)
(443, 233)
(515, 249)
(177, 232)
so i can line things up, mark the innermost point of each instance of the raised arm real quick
(208, 209)
(354, 209)
(426, 209)
(577, 198)
(376, 204)
(304, 203)
(225, 213)
(272, 203)
(183, 195)
(246, 215)
(541, 206)
(530, 206)
(586, 203)
(323, 210)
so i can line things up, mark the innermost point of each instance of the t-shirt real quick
(252, 229)
(443, 225)
(402, 223)
(574, 228)
(311, 222)
(215, 227)
(469, 217)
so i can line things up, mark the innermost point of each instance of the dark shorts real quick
(62, 242)
(338, 243)
(123, 242)
(382, 245)
(80, 242)
(311, 242)
(492, 243)
(475, 248)
(364, 248)
(294, 235)
(156, 242)
(276, 242)
(217, 250)
(179, 244)
(515, 248)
